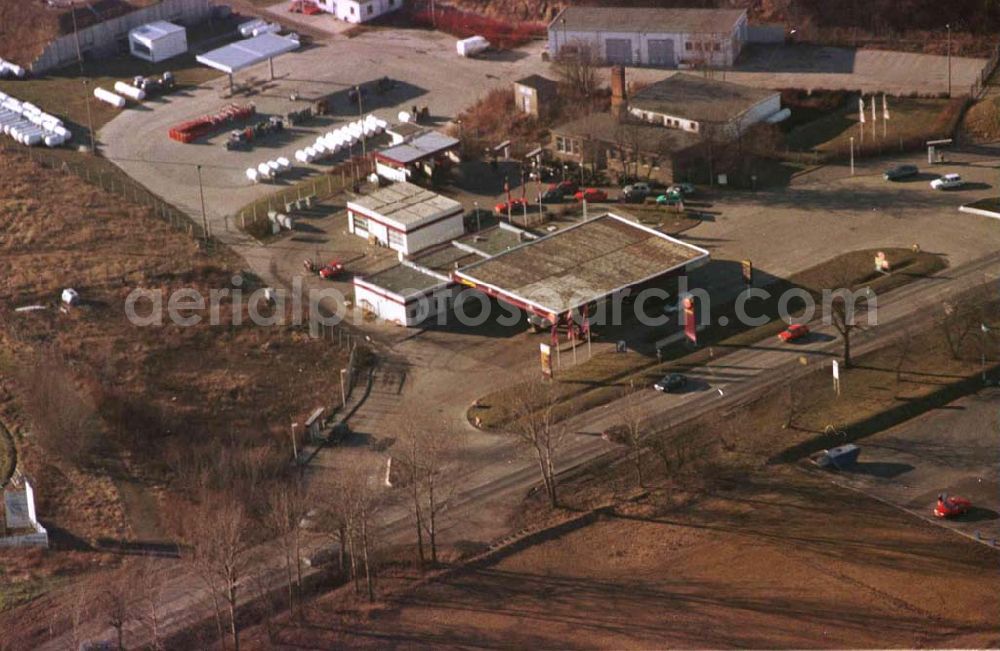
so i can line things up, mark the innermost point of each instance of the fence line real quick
(982, 79)
(351, 172)
(118, 182)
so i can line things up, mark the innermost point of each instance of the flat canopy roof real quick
(655, 20)
(156, 29)
(422, 146)
(402, 280)
(405, 205)
(583, 263)
(243, 54)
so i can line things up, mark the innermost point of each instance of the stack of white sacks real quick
(326, 146)
(334, 142)
(29, 125)
(269, 170)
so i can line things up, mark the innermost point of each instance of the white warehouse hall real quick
(405, 217)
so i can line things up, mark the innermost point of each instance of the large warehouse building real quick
(667, 38)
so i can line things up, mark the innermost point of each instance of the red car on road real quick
(793, 332)
(591, 194)
(950, 507)
(515, 204)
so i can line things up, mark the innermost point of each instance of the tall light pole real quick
(361, 116)
(90, 117)
(343, 389)
(948, 27)
(204, 216)
(852, 155)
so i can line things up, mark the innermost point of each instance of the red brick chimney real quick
(618, 95)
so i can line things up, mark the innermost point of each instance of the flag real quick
(873, 108)
(861, 110)
(885, 108)
(586, 325)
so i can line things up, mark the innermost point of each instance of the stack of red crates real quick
(193, 129)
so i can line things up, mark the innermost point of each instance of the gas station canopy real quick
(243, 54)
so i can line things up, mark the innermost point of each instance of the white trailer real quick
(157, 41)
(468, 47)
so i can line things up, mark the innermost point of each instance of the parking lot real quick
(954, 450)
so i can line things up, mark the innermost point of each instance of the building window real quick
(352, 10)
(717, 47)
(360, 223)
(559, 144)
(688, 46)
(371, 10)
(397, 239)
(576, 146)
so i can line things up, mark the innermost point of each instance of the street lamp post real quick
(90, 117)
(948, 27)
(204, 216)
(343, 389)
(476, 206)
(852, 155)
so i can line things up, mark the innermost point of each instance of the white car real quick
(947, 182)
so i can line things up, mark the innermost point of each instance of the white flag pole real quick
(861, 118)
(885, 116)
(873, 117)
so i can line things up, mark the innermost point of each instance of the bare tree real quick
(535, 423)
(219, 542)
(288, 505)
(148, 581)
(115, 600)
(576, 67)
(424, 452)
(633, 429)
(64, 419)
(963, 317)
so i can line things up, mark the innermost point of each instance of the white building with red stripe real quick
(406, 218)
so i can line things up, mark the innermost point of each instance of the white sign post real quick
(836, 376)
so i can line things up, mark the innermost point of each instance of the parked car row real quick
(944, 182)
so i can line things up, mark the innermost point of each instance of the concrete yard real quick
(424, 65)
(954, 449)
(833, 68)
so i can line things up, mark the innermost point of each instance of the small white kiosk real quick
(157, 41)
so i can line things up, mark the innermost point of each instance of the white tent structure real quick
(157, 41)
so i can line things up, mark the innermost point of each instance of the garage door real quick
(661, 53)
(618, 50)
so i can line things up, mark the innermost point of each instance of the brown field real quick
(767, 559)
(161, 396)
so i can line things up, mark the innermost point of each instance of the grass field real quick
(913, 120)
(606, 376)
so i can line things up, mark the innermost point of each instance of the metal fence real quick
(111, 179)
(345, 175)
(982, 80)
(107, 37)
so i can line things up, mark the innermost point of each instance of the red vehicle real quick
(565, 187)
(591, 194)
(307, 7)
(950, 507)
(331, 269)
(793, 332)
(515, 204)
